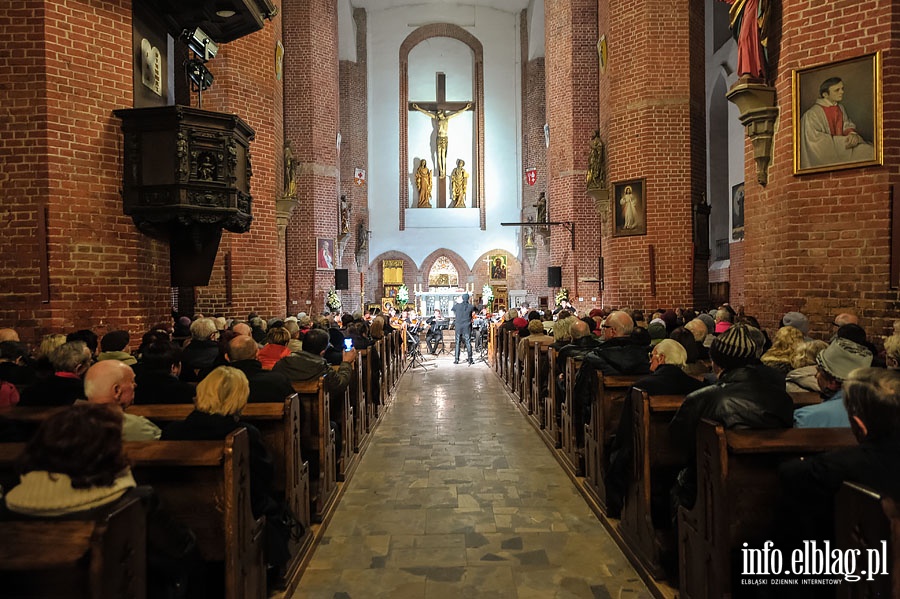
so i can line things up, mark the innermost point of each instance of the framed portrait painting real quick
(737, 212)
(324, 254)
(630, 208)
(837, 120)
(498, 267)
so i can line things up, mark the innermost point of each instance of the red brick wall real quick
(649, 126)
(60, 148)
(534, 155)
(311, 115)
(570, 40)
(245, 84)
(820, 243)
(354, 152)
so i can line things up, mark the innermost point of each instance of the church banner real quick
(531, 176)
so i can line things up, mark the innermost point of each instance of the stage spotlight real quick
(200, 44)
(201, 78)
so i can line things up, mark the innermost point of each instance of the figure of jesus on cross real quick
(441, 112)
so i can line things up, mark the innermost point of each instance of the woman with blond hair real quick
(803, 362)
(783, 346)
(217, 412)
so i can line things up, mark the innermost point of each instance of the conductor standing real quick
(462, 322)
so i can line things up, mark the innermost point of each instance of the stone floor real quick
(457, 497)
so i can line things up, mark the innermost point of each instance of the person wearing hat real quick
(798, 320)
(833, 366)
(746, 395)
(462, 322)
(657, 330)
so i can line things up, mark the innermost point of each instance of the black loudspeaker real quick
(341, 279)
(554, 276)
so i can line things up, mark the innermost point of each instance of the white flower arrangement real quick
(332, 300)
(487, 294)
(562, 294)
(403, 295)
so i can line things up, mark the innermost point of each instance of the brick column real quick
(651, 98)
(354, 154)
(571, 74)
(311, 117)
(250, 262)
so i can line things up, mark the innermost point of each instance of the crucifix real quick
(441, 112)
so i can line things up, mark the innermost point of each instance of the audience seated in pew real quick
(15, 365)
(747, 395)
(809, 485)
(157, 375)
(202, 352)
(220, 398)
(667, 377)
(834, 365)
(111, 383)
(535, 335)
(75, 464)
(265, 386)
(69, 361)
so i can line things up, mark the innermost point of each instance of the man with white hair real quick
(202, 353)
(111, 383)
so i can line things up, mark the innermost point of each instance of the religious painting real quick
(391, 290)
(498, 267)
(837, 115)
(324, 254)
(737, 212)
(630, 208)
(387, 303)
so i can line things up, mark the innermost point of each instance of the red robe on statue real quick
(749, 24)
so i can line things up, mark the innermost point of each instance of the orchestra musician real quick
(436, 325)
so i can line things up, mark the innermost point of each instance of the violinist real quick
(436, 325)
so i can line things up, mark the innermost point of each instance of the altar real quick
(439, 297)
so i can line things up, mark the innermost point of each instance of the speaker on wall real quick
(554, 276)
(341, 279)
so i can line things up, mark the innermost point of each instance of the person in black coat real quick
(747, 395)
(156, 375)
(202, 353)
(462, 322)
(265, 385)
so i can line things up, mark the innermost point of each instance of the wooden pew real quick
(346, 458)
(279, 424)
(514, 367)
(206, 486)
(736, 492)
(605, 412)
(367, 405)
(539, 378)
(550, 429)
(317, 442)
(862, 520)
(100, 557)
(525, 361)
(652, 450)
(572, 457)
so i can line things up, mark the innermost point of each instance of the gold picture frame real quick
(498, 266)
(854, 86)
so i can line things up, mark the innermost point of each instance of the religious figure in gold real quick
(423, 184)
(459, 179)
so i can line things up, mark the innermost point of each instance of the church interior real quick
(162, 159)
(99, 231)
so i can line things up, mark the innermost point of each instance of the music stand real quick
(479, 341)
(415, 356)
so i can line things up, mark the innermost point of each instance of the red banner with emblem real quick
(531, 176)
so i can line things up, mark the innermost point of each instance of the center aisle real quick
(457, 496)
